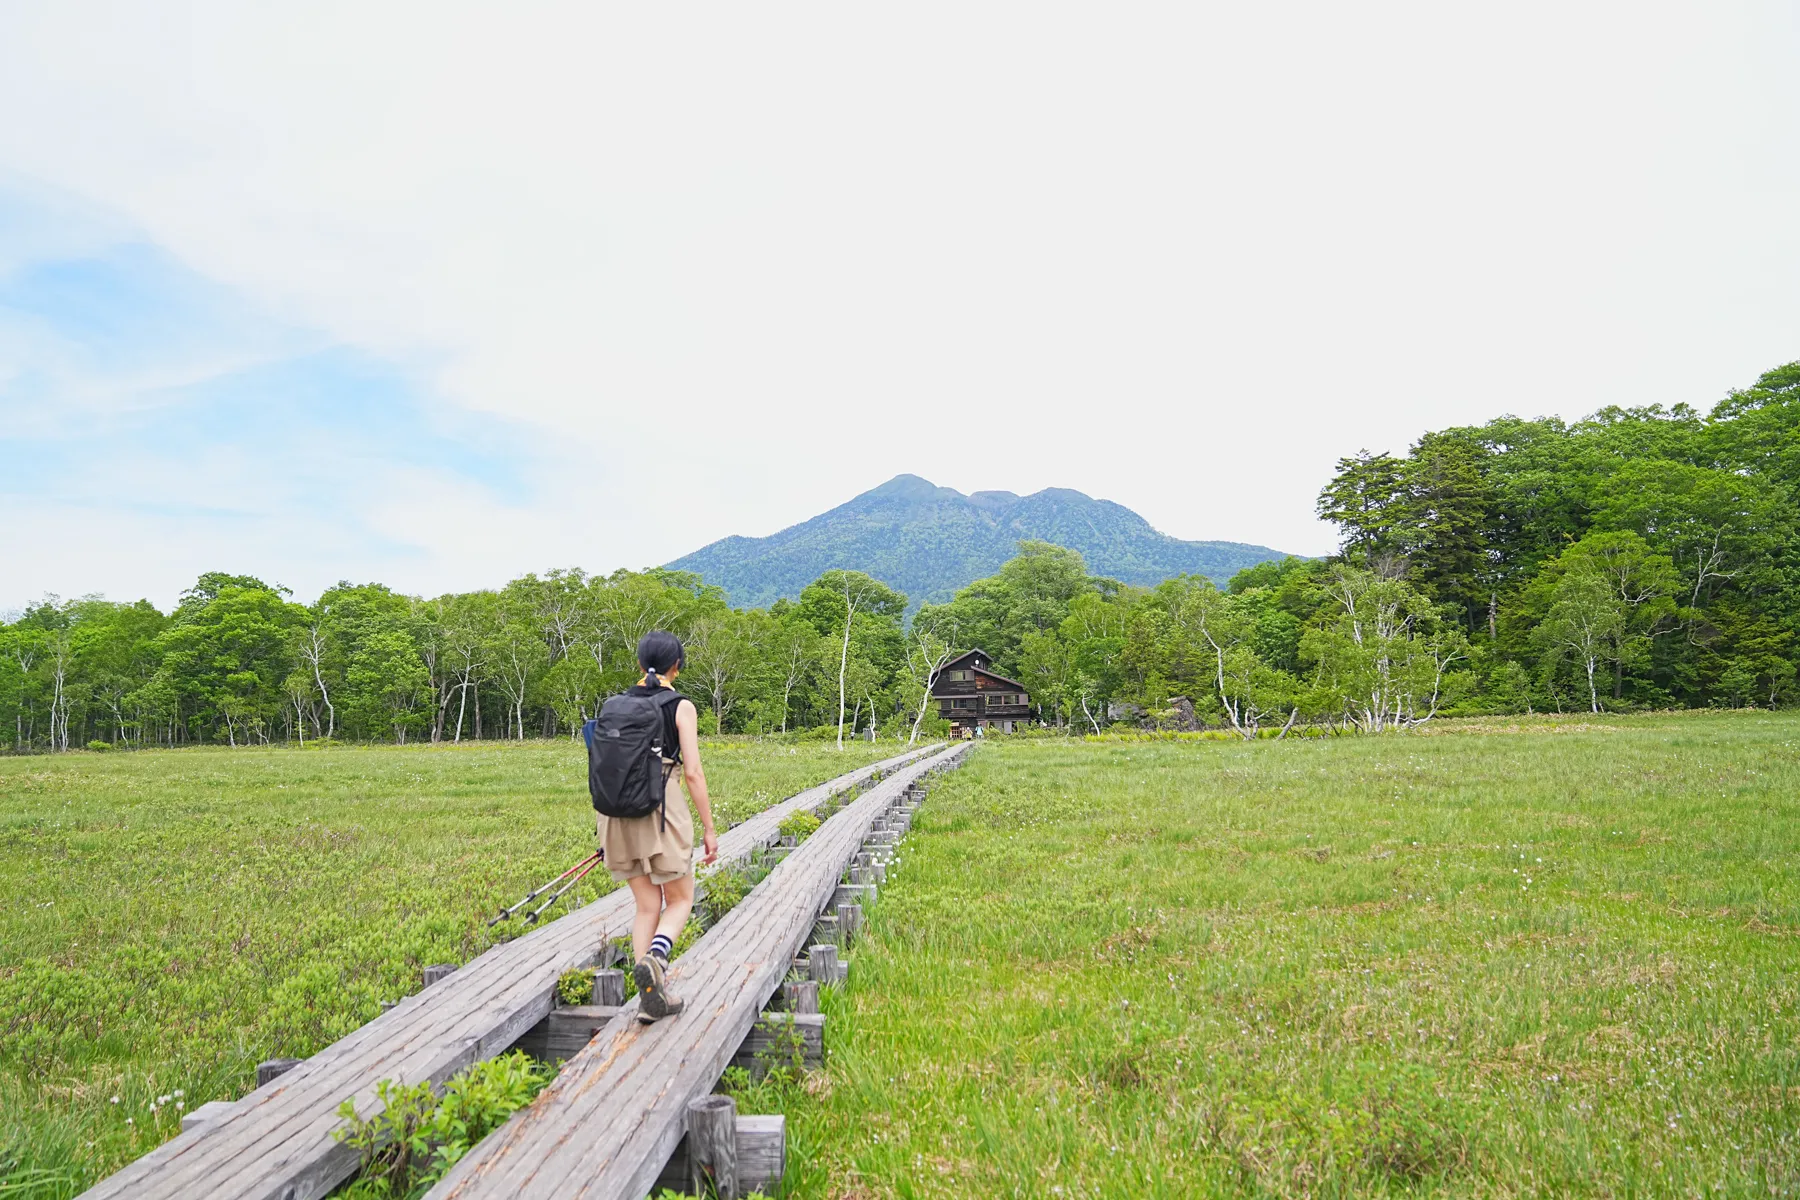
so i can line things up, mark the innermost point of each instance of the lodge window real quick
(959, 676)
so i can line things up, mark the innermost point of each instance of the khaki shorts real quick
(645, 846)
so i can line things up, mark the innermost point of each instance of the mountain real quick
(927, 541)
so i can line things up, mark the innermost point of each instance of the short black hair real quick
(659, 651)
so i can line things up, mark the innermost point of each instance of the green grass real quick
(170, 918)
(1514, 958)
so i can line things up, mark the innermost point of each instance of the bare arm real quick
(687, 727)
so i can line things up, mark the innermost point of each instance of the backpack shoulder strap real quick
(668, 695)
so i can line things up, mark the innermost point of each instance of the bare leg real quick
(649, 899)
(678, 902)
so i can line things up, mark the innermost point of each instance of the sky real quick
(439, 294)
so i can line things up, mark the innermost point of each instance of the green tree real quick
(834, 604)
(1385, 658)
(1584, 621)
(226, 656)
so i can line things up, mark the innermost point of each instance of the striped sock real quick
(661, 944)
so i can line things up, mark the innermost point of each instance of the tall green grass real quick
(170, 918)
(1516, 958)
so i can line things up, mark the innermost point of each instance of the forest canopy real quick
(1641, 558)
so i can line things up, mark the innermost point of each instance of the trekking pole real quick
(558, 893)
(534, 893)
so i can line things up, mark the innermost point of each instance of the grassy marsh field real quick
(1510, 958)
(170, 918)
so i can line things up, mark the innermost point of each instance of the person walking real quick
(653, 854)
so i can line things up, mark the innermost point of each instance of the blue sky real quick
(156, 420)
(437, 295)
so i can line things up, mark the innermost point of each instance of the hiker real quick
(632, 746)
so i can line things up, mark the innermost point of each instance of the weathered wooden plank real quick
(609, 1122)
(565, 1031)
(210, 1111)
(276, 1143)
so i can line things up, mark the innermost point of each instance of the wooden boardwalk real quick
(609, 1122)
(276, 1143)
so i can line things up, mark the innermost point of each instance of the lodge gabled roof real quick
(973, 660)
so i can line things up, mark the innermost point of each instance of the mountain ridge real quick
(927, 541)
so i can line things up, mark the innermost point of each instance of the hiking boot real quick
(654, 1000)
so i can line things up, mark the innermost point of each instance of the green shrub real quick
(575, 987)
(418, 1136)
(99, 745)
(725, 888)
(798, 825)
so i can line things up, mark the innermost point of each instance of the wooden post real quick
(712, 1147)
(850, 918)
(853, 893)
(434, 973)
(274, 1068)
(822, 963)
(801, 997)
(761, 1157)
(609, 987)
(825, 929)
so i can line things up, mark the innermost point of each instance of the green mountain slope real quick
(928, 541)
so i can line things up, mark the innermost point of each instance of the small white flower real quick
(115, 1099)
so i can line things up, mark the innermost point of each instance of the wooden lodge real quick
(973, 696)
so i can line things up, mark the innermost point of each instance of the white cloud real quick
(1178, 256)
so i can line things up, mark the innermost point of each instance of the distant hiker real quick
(646, 833)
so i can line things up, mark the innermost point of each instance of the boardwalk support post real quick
(801, 997)
(850, 919)
(609, 987)
(822, 964)
(712, 1147)
(439, 971)
(272, 1069)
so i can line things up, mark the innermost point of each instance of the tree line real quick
(1641, 558)
(238, 662)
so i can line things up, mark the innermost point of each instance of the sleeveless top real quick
(671, 736)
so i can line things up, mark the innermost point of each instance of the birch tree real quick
(931, 644)
(313, 647)
(1383, 660)
(1584, 622)
(841, 597)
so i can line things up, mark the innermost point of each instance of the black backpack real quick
(625, 755)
